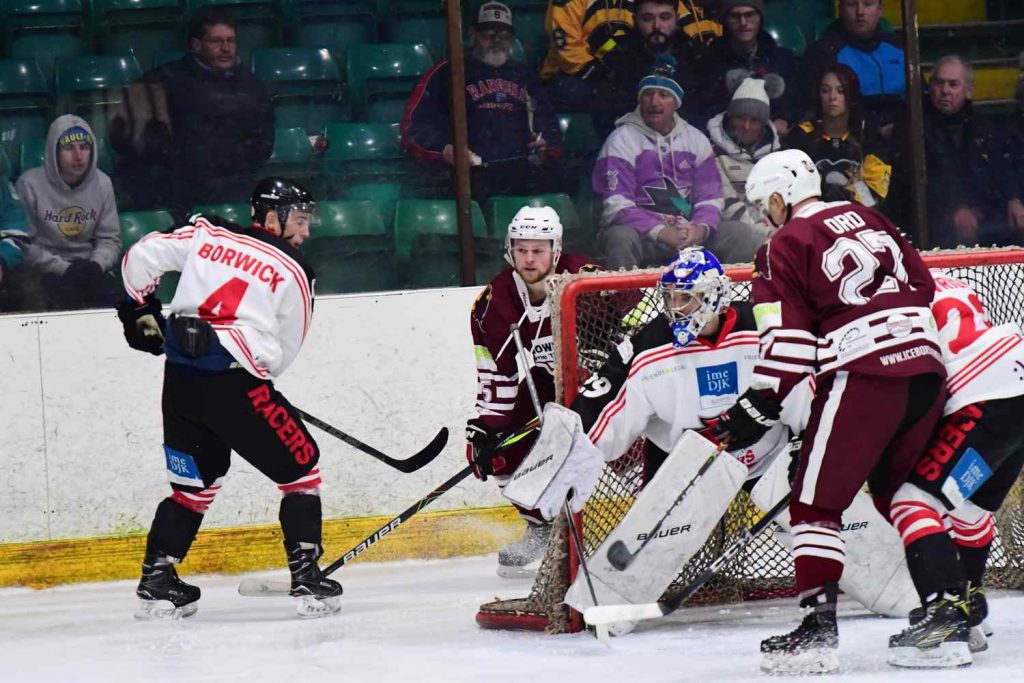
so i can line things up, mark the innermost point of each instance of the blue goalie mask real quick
(694, 290)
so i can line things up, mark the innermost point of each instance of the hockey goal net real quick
(591, 314)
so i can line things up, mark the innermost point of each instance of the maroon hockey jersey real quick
(501, 304)
(838, 287)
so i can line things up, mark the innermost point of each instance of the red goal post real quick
(591, 313)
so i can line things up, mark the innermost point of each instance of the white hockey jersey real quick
(654, 389)
(251, 286)
(982, 361)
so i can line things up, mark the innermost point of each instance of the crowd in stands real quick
(684, 96)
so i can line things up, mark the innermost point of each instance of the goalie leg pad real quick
(562, 463)
(679, 538)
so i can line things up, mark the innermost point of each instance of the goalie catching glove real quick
(747, 420)
(562, 463)
(143, 324)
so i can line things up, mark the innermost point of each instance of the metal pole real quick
(918, 169)
(460, 143)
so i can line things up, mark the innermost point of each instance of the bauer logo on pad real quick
(718, 385)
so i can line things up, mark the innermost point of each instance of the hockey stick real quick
(270, 588)
(608, 614)
(576, 539)
(620, 557)
(420, 459)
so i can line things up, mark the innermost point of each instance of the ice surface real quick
(411, 622)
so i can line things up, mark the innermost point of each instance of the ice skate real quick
(161, 593)
(811, 647)
(939, 640)
(319, 596)
(522, 558)
(978, 619)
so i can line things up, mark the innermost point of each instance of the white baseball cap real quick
(494, 16)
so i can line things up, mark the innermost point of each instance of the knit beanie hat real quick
(74, 134)
(725, 6)
(750, 99)
(662, 77)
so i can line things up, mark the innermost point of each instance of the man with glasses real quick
(745, 50)
(200, 128)
(513, 131)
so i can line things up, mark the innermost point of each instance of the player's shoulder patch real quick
(484, 297)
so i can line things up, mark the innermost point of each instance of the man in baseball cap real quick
(494, 16)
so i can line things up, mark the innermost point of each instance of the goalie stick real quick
(271, 588)
(420, 459)
(620, 556)
(603, 615)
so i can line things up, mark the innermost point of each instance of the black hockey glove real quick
(143, 324)
(81, 274)
(481, 442)
(748, 420)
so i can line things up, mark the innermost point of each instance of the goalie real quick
(676, 374)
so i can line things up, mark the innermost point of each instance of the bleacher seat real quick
(528, 19)
(45, 30)
(428, 230)
(430, 31)
(139, 27)
(165, 56)
(576, 235)
(258, 23)
(381, 77)
(331, 24)
(293, 158)
(384, 196)
(24, 106)
(236, 213)
(787, 35)
(305, 85)
(136, 224)
(350, 249)
(580, 135)
(366, 152)
(88, 86)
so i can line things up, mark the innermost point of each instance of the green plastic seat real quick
(787, 35)
(32, 154)
(384, 196)
(384, 72)
(350, 249)
(364, 152)
(139, 27)
(45, 30)
(291, 146)
(165, 56)
(430, 31)
(24, 105)
(331, 24)
(137, 224)
(428, 230)
(579, 133)
(94, 73)
(305, 85)
(236, 213)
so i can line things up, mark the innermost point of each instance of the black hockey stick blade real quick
(420, 459)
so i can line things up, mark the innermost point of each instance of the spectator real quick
(748, 49)
(740, 136)
(73, 225)
(875, 56)
(216, 117)
(656, 35)
(1013, 160)
(584, 33)
(513, 131)
(659, 185)
(14, 240)
(848, 152)
(965, 203)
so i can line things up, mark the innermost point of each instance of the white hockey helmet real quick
(790, 173)
(535, 223)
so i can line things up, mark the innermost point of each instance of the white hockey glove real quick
(562, 463)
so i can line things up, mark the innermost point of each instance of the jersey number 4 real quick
(222, 305)
(859, 252)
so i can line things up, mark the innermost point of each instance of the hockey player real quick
(973, 460)
(842, 295)
(533, 247)
(239, 316)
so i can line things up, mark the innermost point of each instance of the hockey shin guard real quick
(173, 530)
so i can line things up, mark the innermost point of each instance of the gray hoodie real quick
(69, 223)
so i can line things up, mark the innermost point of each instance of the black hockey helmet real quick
(282, 195)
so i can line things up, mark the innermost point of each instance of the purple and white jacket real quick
(639, 172)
